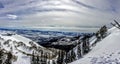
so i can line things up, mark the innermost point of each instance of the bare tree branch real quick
(116, 24)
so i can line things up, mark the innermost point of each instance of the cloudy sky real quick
(62, 14)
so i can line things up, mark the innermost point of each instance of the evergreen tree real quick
(38, 61)
(85, 41)
(73, 56)
(1, 55)
(66, 57)
(62, 56)
(45, 58)
(33, 59)
(48, 62)
(103, 31)
(59, 57)
(98, 36)
(53, 62)
(79, 51)
(9, 58)
(69, 58)
(48, 57)
(87, 45)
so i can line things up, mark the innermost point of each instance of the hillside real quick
(107, 51)
(24, 50)
(101, 48)
(17, 49)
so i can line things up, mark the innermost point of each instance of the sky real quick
(58, 14)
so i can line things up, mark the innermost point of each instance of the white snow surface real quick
(18, 38)
(107, 51)
(21, 58)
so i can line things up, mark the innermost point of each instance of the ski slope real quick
(107, 51)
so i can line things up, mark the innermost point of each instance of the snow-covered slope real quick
(106, 51)
(21, 48)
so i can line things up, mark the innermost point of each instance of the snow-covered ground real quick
(106, 51)
(10, 46)
(20, 47)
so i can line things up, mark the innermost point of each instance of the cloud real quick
(10, 16)
(57, 13)
(1, 5)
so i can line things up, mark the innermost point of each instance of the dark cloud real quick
(1, 5)
(84, 5)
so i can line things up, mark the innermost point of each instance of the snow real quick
(92, 40)
(12, 43)
(21, 58)
(17, 38)
(106, 51)
(15, 52)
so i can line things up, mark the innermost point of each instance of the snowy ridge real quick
(106, 51)
(21, 47)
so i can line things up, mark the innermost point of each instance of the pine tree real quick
(103, 31)
(97, 34)
(87, 45)
(79, 51)
(45, 58)
(1, 55)
(41, 57)
(66, 57)
(37, 60)
(48, 62)
(48, 57)
(53, 62)
(73, 56)
(81, 47)
(59, 57)
(33, 58)
(9, 58)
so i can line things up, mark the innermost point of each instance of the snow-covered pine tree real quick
(79, 51)
(73, 55)
(59, 61)
(38, 60)
(67, 57)
(53, 62)
(9, 58)
(33, 59)
(1, 55)
(103, 31)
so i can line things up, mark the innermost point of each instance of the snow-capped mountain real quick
(22, 49)
(106, 51)
(99, 48)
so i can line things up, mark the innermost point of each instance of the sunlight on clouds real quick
(56, 13)
(10, 16)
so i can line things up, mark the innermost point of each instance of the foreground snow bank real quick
(105, 52)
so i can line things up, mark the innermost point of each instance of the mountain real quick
(83, 49)
(106, 51)
(16, 49)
